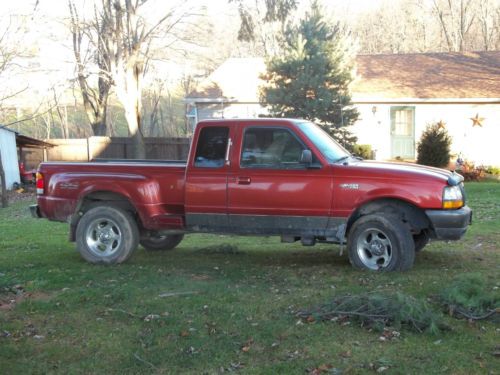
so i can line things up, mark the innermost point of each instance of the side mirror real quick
(306, 157)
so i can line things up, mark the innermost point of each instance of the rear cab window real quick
(211, 147)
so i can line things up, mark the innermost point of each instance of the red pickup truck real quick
(279, 177)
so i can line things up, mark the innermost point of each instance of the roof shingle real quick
(378, 77)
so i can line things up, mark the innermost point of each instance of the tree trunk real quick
(99, 124)
(133, 121)
(4, 186)
(129, 93)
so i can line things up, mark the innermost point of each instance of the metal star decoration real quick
(477, 121)
(441, 124)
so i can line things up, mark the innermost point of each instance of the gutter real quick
(425, 100)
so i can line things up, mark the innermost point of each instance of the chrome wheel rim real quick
(103, 237)
(374, 249)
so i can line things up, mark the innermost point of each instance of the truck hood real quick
(407, 170)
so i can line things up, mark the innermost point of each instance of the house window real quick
(403, 132)
(403, 121)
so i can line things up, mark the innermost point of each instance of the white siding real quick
(9, 157)
(477, 144)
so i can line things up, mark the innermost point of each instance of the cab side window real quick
(211, 148)
(271, 148)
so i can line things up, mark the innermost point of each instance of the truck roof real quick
(256, 121)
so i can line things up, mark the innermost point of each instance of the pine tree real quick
(310, 79)
(434, 146)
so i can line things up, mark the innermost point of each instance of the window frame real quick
(399, 108)
(299, 166)
(228, 143)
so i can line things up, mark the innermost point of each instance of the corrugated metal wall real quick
(9, 157)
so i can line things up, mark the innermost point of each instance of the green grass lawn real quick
(208, 308)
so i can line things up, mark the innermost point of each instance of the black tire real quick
(157, 242)
(106, 235)
(381, 243)
(421, 240)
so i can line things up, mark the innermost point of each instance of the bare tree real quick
(456, 18)
(132, 37)
(489, 21)
(264, 22)
(12, 49)
(153, 100)
(95, 38)
(409, 26)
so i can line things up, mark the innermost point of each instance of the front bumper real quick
(35, 211)
(450, 224)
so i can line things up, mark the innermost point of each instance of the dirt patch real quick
(24, 193)
(12, 296)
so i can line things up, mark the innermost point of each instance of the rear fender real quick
(135, 198)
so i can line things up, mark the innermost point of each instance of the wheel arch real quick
(91, 199)
(413, 216)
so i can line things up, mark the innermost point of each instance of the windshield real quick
(330, 149)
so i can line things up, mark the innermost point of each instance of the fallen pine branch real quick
(377, 310)
(469, 296)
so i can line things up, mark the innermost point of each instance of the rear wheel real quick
(381, 243)
(107, 235)
(156, 241)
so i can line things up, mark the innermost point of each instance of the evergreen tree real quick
(434, 146)
(310, 79)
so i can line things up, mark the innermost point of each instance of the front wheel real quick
(107, 235)
(421, 240)
(381, 243)
(156, 241)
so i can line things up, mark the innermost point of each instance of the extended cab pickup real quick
(256, 177)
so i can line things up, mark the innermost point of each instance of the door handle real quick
(243, 180)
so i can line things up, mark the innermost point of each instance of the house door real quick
(403, 132)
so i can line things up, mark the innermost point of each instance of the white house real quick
(8, 152)
(397, 96)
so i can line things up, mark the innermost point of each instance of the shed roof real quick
(2, 127)
(25, 141)
(28, 142)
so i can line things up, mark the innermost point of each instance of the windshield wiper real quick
(342, 159)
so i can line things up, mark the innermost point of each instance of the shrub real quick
(365, 151)
(471, 172)
(434, 147)
(492, 170)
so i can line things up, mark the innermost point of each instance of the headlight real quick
(452, 197)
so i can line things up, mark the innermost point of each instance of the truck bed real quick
(155, 188)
